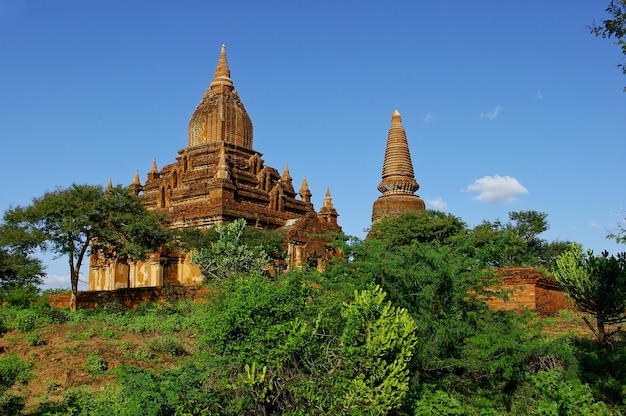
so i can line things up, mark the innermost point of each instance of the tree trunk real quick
(601, 332)
(74, 295)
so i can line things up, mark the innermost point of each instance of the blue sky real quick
(508, 106)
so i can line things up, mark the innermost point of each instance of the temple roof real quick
(398, 175)
(220, 117)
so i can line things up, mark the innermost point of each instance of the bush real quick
(26, 320)
(34, 339)
(169, 344)
(21, 297)
(96, 364)
(12, 370)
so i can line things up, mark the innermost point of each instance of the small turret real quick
(287, 181)
(328, 213)
(135, 186)
(305, 192)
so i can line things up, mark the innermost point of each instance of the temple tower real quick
(220, 116)
(398, 185)
(216, 179)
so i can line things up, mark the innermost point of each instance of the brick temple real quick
(217, 178)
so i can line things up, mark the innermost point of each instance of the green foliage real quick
(18, 271)
(69, 222)
(515, 243)
(25, 320)
(596, 285)
(437, 402)
(12, 370)
(95, 363)
(34, 339)
(551, 393)
(229, 256)
(21, 297)
(168, 344)
(614, 27)
(252, 320)
(377, 343)
(423, 227)
(604, 369)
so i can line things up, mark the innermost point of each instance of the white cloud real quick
(497, 189)
(490, 115)
(62, 282)
(437, 203)
(539, 95)
(430, 117)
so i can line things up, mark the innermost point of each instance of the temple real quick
(398, 185)
(217, 178)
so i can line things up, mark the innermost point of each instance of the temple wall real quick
(530, 289)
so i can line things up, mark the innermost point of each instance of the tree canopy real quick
(596, 285)
(18, 270)
(229, 256)
(614, 27)
(69, 222)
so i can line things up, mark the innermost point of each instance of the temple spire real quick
(136, 185)
(221, 80)
(109, 184)
(154, 166)
(328, 200)
(286, 180)
(136, 178)
(398, 185)
(305, 192)
(328, 213)
(398, 176)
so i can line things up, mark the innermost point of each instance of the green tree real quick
(19, 271)
(426, 226)
(515, 243)
(614, 27)
(229, 256)
(71, 222)
(596, 285)
(194, 238)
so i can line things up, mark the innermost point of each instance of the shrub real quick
(169, 345)
(34, 339)
(25, 321)
(96, 364)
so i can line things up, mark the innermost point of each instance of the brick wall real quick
(530, 289)
(130, 298)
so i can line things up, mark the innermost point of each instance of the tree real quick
(596, 285)
(515, 243)
(423, 227)
(71, 222)
(619, 233)
(195, 238)
(614, 27)
(18, 270)
(229, 256)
